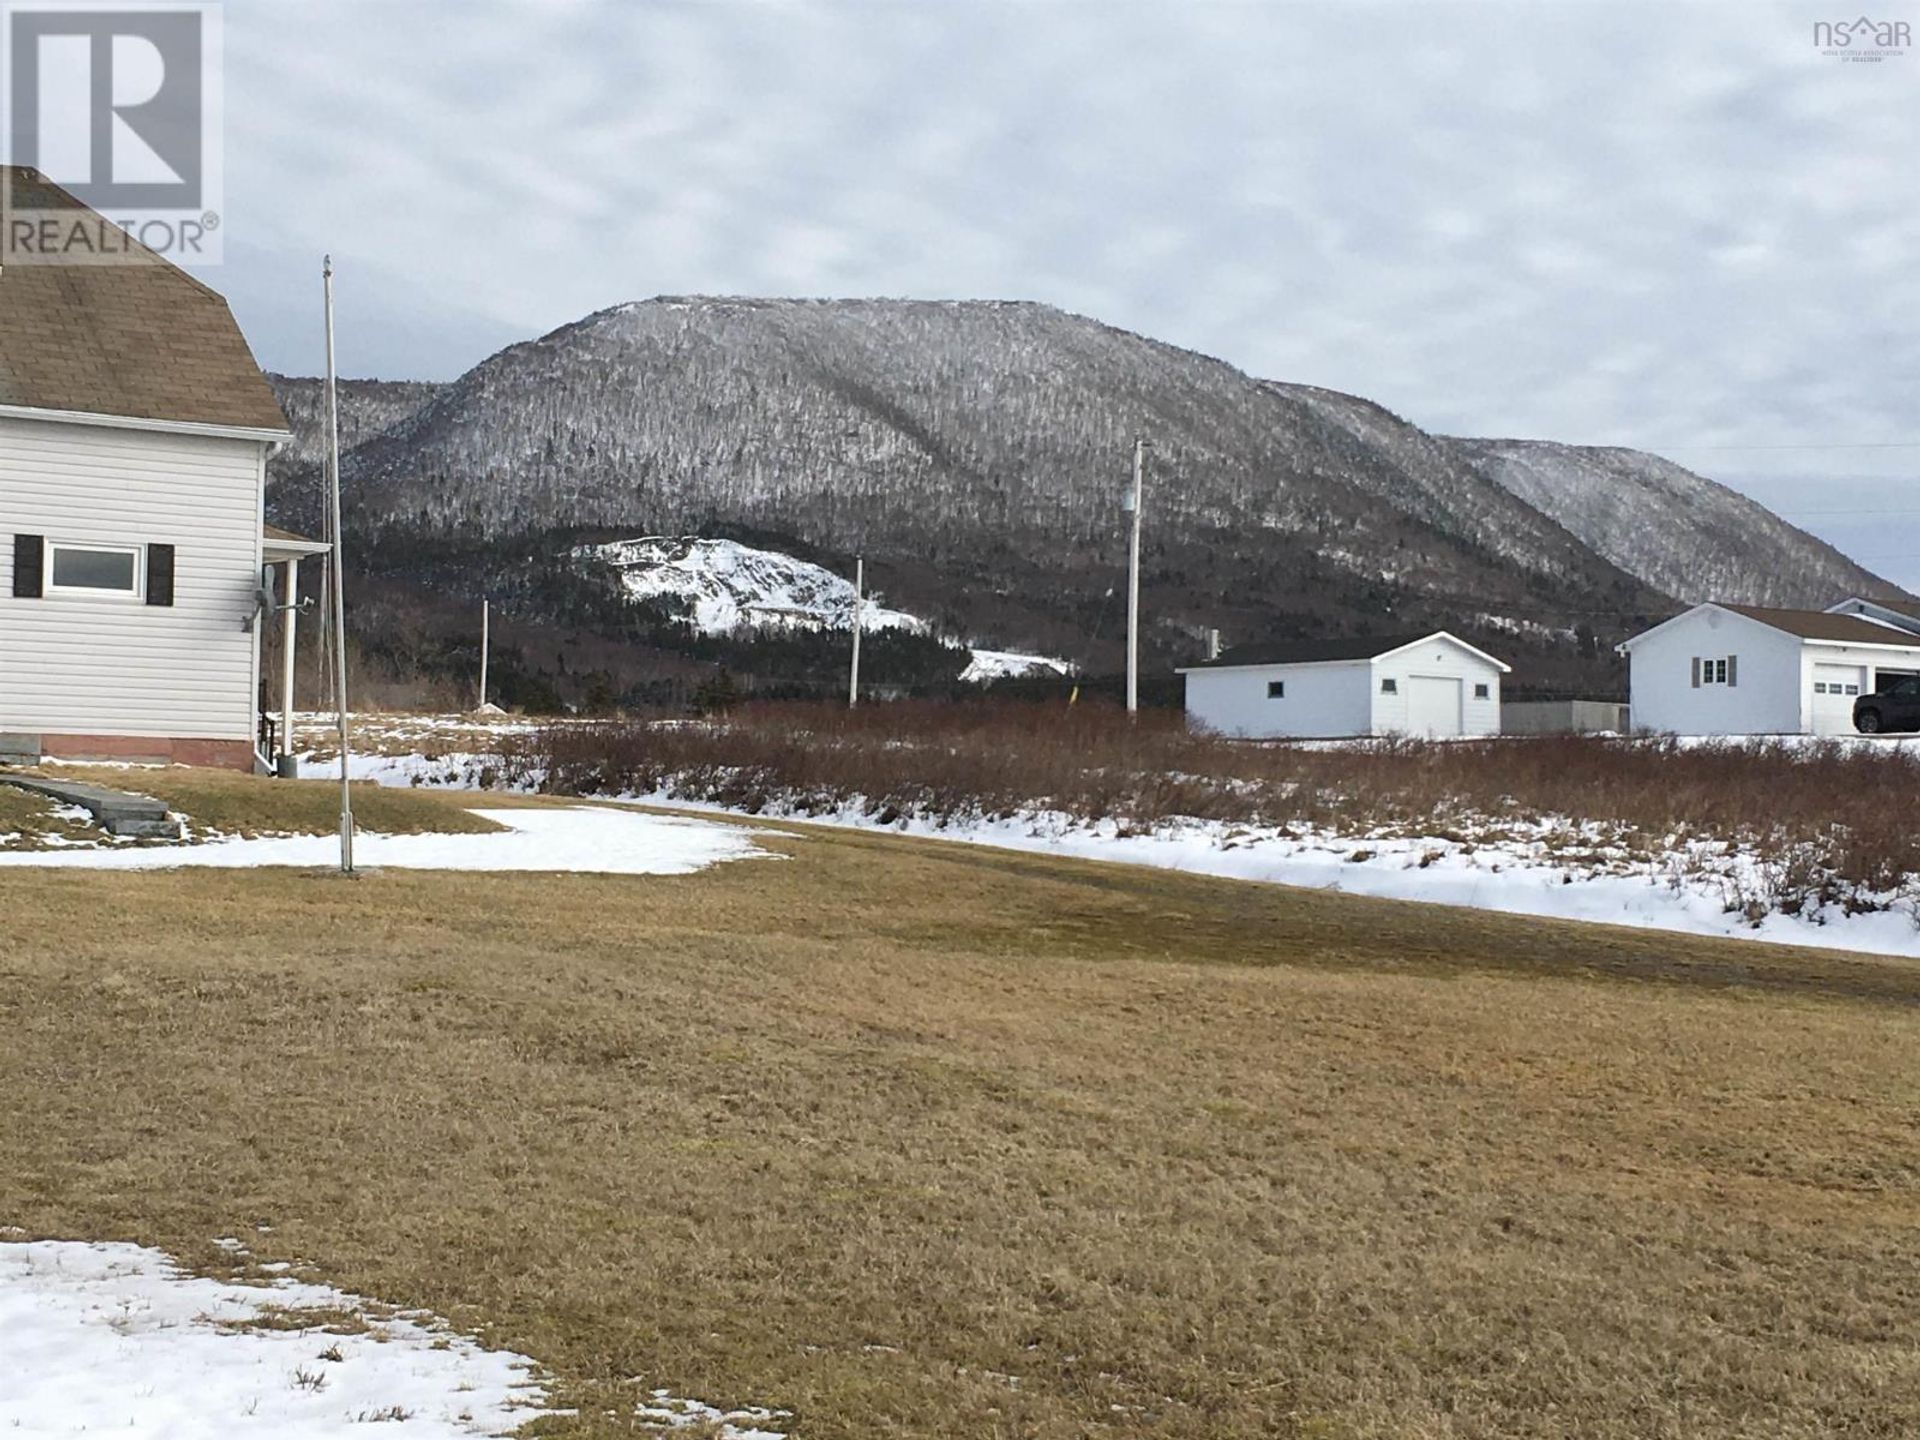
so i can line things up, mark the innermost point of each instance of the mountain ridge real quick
(1616, 499)
(976, 454)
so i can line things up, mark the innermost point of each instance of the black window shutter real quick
(29, 566)
(160, 574)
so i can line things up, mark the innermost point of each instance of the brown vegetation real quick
(925, 1140)
(32, 822)
(1834, 818)
(226, 803)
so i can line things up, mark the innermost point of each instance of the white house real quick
(134, 434)
(1749, 670)
(1432, 684)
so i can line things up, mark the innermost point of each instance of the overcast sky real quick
(1673, 225)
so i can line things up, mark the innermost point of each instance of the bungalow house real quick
(1431, 685)
(134, 434)
(1750, 670)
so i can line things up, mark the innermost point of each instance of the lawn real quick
(929, 1140)
(30, 822)
(226, 802)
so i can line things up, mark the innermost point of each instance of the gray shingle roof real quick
(1307, 652)
(1819, 625)
(140, 339)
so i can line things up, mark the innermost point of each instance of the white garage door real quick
(1433, 705)
(1835, 688)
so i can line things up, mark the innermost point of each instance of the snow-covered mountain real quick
(723, 587)
(1678, 531)
(976, 453)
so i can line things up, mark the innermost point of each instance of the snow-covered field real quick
(583, 839)
(727, 586)
(117, 1340)
(1559, 869)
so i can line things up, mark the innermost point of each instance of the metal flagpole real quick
(338, 578)
(486, 623)
(859, 623)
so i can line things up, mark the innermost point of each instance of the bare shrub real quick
(1828, 820)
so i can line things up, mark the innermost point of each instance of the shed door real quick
(1433, 705)
(1835, 688)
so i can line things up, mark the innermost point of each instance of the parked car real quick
(1895, 707)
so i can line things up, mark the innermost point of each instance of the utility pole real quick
(283, 763)
(338, 578)
(859, 623)
(486, 620)
(1133, 579)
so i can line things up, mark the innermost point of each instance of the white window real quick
(1715, 670)
(1483, 691)
(98, 570)
(1389, 687)
(1276, 689)
(1819, 687)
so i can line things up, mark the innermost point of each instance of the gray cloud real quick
(1674, 225)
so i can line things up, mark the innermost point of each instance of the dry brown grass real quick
(1828, 815)
(230, 803)
(29, 822)
(935, 1141)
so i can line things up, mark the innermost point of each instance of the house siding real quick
(102, 669)
(1325, 699)
(1774, 672)
(1444, 659)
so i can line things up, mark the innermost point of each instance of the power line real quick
(1858, 514)
(1807, 445)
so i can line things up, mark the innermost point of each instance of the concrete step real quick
(138, 817)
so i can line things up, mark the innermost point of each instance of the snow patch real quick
(667, 1412)
(114, 1339)
(989, 665)
(117, 1339)
(1552, 869)
(575, 839)
(729, 587)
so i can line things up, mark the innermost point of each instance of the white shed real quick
(1430, 685)
(1749, 670)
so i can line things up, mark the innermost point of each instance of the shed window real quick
(1389, 687)
(1717, 670)
(1482, 691)
(1276, 689)
(93, 569)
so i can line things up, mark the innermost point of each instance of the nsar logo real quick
(1863, 39)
